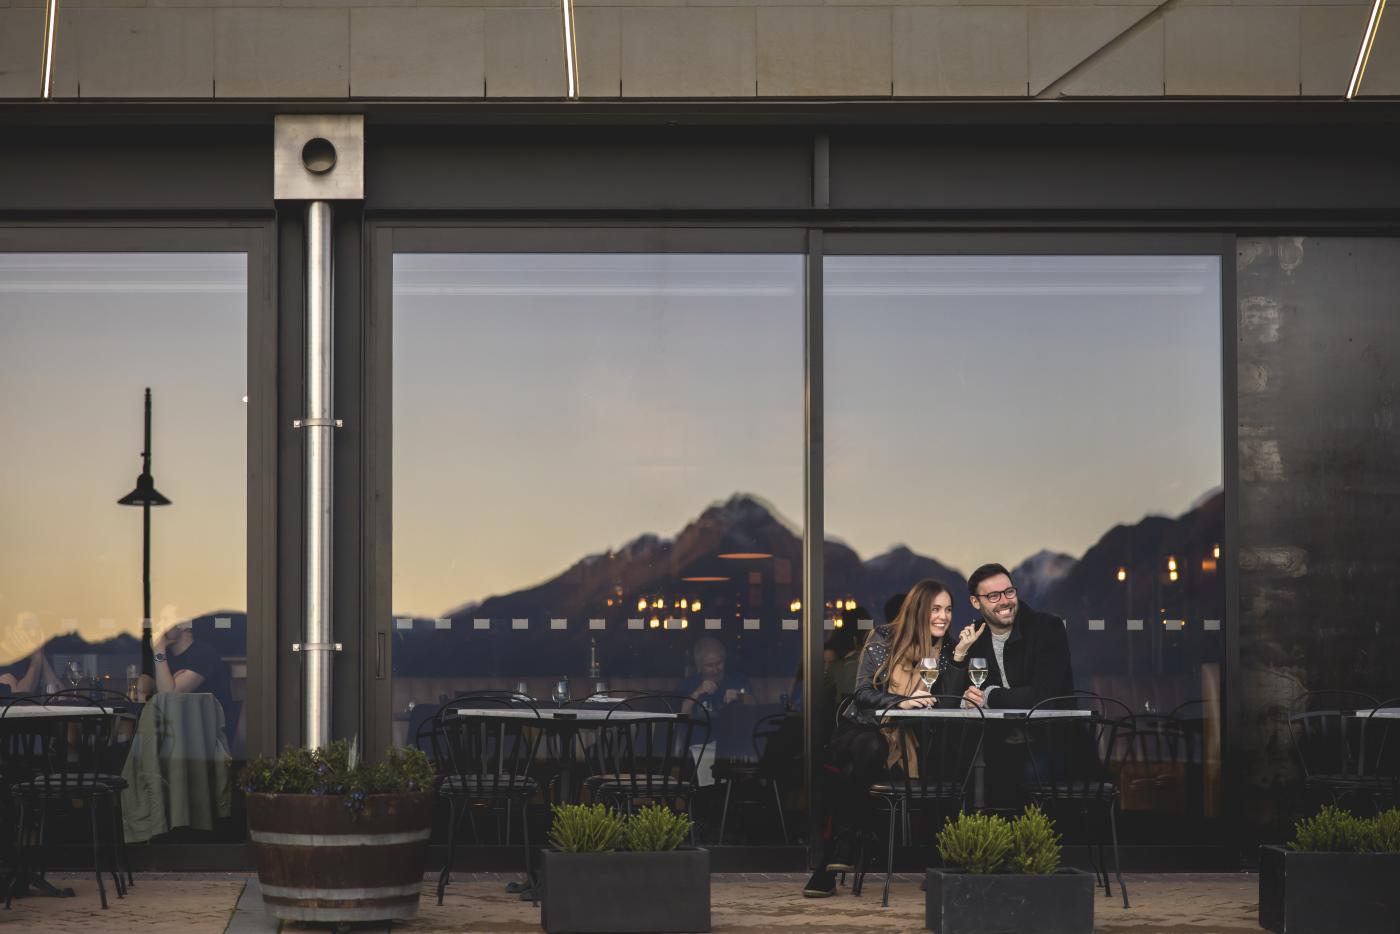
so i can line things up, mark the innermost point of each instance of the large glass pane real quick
(597, 468)
(83, 336)
(1060, 416)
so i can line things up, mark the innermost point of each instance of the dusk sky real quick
(978, 408)
(83, 336)
(548, 407)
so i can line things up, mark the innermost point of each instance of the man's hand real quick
(975, 696)
(163, 640)
(706, 687)
(966, 637)
(731, 695)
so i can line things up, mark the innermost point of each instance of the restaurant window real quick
(597, 489)
(1061, 416)
(94, 348)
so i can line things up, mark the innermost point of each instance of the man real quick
(711, 686)
(1027, 652)
(184, 666)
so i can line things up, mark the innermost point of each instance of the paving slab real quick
(743, 903)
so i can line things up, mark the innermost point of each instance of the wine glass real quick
(561, 692)
(977, 672)
(522, 688)
(74, 673)
(928, 672)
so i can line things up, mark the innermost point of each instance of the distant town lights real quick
(1171, 563)
(1215, 552)
(1122, 574)
(1172, 575)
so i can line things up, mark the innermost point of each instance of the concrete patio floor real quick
(742, 903)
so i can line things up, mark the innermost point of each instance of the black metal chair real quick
(1326, 741)
(646, 749)
(488, 755)
(1071, 760)
(1380, 754)
(947, 749)
(60, 757)
(772, 762)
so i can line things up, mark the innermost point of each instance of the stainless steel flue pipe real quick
(319, 424)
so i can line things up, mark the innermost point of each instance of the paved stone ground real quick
(743, 903)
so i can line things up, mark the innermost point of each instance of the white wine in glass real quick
(928, 672)
(977, 672)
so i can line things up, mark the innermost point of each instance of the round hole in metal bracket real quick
(318, 155)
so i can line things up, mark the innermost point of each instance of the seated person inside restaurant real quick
(184, 666)
(1027, 652)
(29, 675)
(865, 750)
(712, 686)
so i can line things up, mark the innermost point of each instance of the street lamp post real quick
(145, 495)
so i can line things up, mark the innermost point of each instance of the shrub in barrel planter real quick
(604, 872)
(1340, 873)
(1007, 878)
(338, 839)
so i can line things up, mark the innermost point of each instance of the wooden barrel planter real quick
(320, 861)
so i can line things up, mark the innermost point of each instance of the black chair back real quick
(488, 751)
(1380, 742)
(1075, 756)
(647, 748)
(945, 751)
(62, 753)
(1325, 739)
(125, 718)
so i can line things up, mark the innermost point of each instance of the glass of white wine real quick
(928, 672)
(977, 671)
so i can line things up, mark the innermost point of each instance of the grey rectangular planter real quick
(627, 893)
(957, 902)
(1324, 893)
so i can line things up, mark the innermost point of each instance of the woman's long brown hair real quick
(909, 635)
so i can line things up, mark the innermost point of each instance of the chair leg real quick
(778, 802)
(21, 861)
(530, 879)
(889, 862)
(858, 879)
(509, 803)
(96, 852)
(119, 838)
(724, 811)
(1117, 867)
(446, 873)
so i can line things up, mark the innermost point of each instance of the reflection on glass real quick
(596, 462)
(1060, 416)
(82, 337)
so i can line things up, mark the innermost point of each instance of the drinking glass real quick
(522, 689)
(561, 692)
(977, 672)
(928, 672)
(74, 673)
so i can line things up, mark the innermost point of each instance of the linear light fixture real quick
(46, 55)
(570, 48)
(1364, 53)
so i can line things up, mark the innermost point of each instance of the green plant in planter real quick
(1385, 832)
(655, 828)
(1331, 830)
(976, 843)
(1035, 845)
(585, 828)
(337, 769)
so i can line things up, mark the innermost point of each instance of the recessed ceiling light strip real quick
(570, 48)
(1364, 53)
(46, 54)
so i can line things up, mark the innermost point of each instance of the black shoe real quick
(843, 855)
(821, 885)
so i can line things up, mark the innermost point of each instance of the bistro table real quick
(1002, 714)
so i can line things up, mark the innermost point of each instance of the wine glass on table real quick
(928, 672)
(977, 672)
(74, 673)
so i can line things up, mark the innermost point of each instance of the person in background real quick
(712, 685)
(184, 666)
(29, 675)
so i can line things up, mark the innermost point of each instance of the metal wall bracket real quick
(318, 423)
(316, 647)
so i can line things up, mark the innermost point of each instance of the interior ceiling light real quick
(744, 555)
(46, 53)
(1364, 53)
(706, 580)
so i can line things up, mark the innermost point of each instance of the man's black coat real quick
(1037, 660)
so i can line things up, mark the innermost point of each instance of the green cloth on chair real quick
(178, 770)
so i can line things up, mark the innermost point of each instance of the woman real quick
(863, 751)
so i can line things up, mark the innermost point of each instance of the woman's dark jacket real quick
(871, 696)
